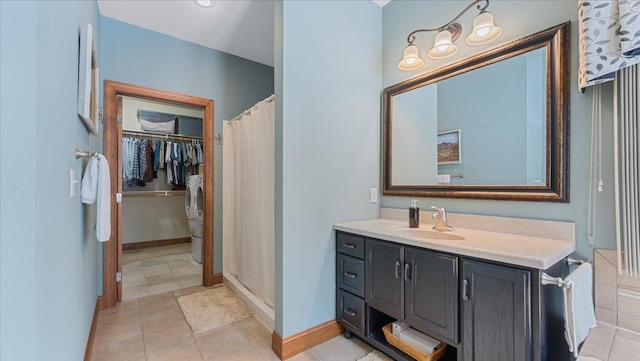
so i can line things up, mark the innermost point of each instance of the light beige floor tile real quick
(243, 354)
(118, 315)
(304, 356)
(164, 287)
(127, 304)
(160, 298)
(159, 307)
(189, 290)
(159, 279)
(264, 352)
(188, 270)
(153, 262)
(190, 281)
(134, 292)
(161, 320)
(156, 270)
(140, 358)
(179, 263)
(183, 349)
(220, 340)
(156, 340)
(117, 332)
(131, 267)
(123, 350)
(253, 330)
(599, 342)
(136, 279)
(339, 348)
(624, 349)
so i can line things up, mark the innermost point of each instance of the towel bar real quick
(548, 280)
(84, 154)
(572, 261)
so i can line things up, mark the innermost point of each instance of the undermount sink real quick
(427, 234)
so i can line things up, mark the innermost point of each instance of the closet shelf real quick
(136, 133)
(153, 193)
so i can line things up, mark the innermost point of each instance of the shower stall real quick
(248, 208)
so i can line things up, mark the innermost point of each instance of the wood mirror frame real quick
(112, 255)
(556, 40)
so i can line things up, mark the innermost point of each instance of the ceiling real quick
(240, 27)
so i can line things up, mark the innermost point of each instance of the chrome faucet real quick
(441, 220)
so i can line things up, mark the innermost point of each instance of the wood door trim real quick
(112, 139)
(302, 341)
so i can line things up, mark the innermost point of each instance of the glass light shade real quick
(443, 47)
(410, 58)
(484, 30)
(205, 3)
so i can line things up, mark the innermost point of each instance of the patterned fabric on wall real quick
(609, 39)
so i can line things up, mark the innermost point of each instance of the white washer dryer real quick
(194, 206)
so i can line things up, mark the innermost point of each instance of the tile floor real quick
(610, 343)
(152, 328)
(156, 270)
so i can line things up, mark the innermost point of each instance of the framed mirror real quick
(493, 126)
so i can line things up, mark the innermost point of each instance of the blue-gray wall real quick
(517, 19)
(329, 125)
(135, 55)
(49, 252)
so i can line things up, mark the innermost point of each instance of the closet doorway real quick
(115, 92)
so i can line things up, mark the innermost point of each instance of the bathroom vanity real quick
(479, 291)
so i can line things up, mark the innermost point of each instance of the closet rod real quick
(153, 193)
(159, 135)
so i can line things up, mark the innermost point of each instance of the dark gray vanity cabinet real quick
(431, 293)
(495, 312)
(350, 305)
(415, 285)
(385, 285)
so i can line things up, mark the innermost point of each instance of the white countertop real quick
(520, 250)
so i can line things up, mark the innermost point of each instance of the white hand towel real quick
(578, 306)
(89, 189)
(96, 188)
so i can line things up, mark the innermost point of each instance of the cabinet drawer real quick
(350, 312)
(350, 244)
(351, 274)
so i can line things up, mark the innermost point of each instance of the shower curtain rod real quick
(267, 100)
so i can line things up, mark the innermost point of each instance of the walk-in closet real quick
(162, 196)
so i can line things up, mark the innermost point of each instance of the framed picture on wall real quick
(449, 147)
(88, 80)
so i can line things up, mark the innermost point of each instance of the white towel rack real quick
(558, 281)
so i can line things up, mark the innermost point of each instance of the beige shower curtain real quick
(248, 199)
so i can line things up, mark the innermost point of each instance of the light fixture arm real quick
(452, 26)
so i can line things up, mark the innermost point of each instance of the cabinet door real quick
(496, 313)
(431, 293)
(383, 269)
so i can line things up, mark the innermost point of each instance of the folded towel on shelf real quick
(579, 317)
(96, 188)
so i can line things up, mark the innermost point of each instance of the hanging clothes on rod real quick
(144, 154)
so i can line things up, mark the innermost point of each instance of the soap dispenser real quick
(414, 215)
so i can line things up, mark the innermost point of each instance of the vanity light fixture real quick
(484, 31)
(205, 3)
